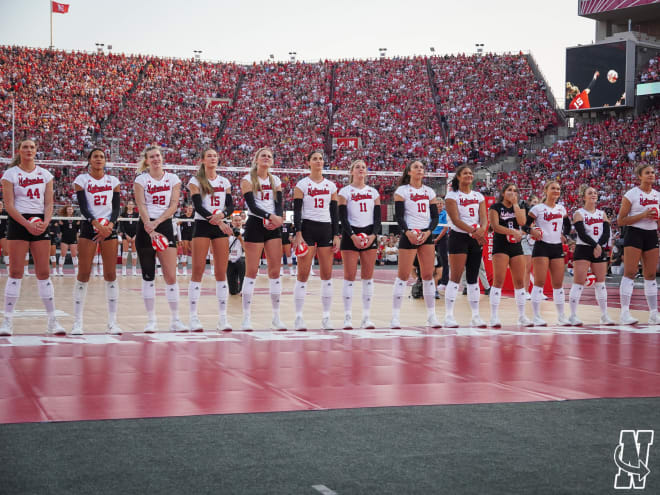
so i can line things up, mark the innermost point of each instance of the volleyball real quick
(34, 219)
(591, 280)
(267, 223)
(656, 212)
(364, 238)
(511, 239)
(159, 242)
(102, 221)
(302, 249)
(612, 76)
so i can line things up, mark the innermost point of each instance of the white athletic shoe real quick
(523, 321)
(223, 325)
(195, 324)
(348, 322)
(539, 322)
(60, 272)
(395, 323)
(450, 322)
(367, 323)
(134, 272)
(123, 272)
(113, 329)
(177, 326)
(54, 328)
(292, 272)
(478, 322)
(277, 324)
(528, 296)
(627, 319)
(159, 271)
(606, 320)
(151, 327)
(432, 321)
(495, 323)
(6, 328)
(326, 324)
(299, 324)
(185, 271)
(246, 325)
(77, 328)
(654, 318)
(575, 321)
(563, 321)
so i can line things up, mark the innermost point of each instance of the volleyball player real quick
(552, 223)
(593, 229)
(211, 196)
(640, 214)
(467, 211)
(53, 233)
(128, 230)
(186, 224)
(316, 223)
(98, 199)
(157, 197)
(506, 218)
(263, 196)
(28, 195)
(286, 249)
(3, 237)
(359, 212)
(69, 240)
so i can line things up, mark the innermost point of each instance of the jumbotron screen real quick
(596, 76)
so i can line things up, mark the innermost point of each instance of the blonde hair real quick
(256, 185)
(205, 186)
(142, 164)
(583, 190)
(350, 169)
(17, 159)
(638, 169)
(545, 188)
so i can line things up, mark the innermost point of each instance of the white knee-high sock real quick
(172, 294)
(625, 293)
(12, 291)
(74, 259)
(47, 294)
(495, 297)
(222, 293)
(601, 297)
(397, 297)
(61, 262)
(347, 296)
(428, 290)
(651, 293)
(299, 292)
(559, 300)
(367, 296)
(537, 297)
(112, 296)
(574, 297)
(450, 298)
(521, 298)
(248, 291)
(473, 294)
(79, 295)
(194, 293)
(149, 297)
(326, 297)
(275, 295)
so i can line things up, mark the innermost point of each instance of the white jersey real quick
(417, 204)
(360, 204)
(98, 193)
(639, 203)
(550, 221)
(29, 188)
(593, 225)
(265, 198)
(468, 207)
(316, 199)
(157, 193)
(216, 201)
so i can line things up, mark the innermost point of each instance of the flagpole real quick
(51, 24)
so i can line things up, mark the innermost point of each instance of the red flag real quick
(60, 8)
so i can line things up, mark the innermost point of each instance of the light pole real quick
(479, 47)
(271, 56)
(432, 49)
(383, 52)
(99, 47)
(198, 54)
(293, 56)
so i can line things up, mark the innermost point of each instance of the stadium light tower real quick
(198, 54)
(293, 56)
(479, 47)
(99, 47)
(432, 49)
(383, 52)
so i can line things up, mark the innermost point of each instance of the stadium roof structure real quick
(617, 10)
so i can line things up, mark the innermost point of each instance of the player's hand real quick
(425, 235)
(596, 74)
(536, 233)
(36, 228)
(336, 240)
(297, 239)
(276, 221)
(357, 241)
(516, 234)
(150, 226)
(598, 251)
(225, 228)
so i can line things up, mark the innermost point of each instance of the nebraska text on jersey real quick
(360, 196)
(592, 220)
(27, 182)
(93, 189)
(469, 201)
(547, 216)
(317, 192)
(419, 197)
(647, 201)
(151, 189)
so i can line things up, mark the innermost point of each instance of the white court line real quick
(324, 490)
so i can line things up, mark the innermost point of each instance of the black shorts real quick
(545, 250)
(462, 243)
(502, 246)
(53, 240)
(256, 232)
(69, 239)
(87, 231)
(202, 228)
(16, 232)
(583, 252)
(640, 238)
(143, 240)
(347, 243)
(404, 243)
(188, 233)
(317, 234)
(285, 237)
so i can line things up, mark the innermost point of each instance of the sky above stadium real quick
(248, 31)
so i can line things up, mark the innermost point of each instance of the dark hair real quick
(506, 186)
(405, 176)
(454, 180)
(89, 156)
(312, 153)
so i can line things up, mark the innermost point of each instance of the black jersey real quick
(3, 224)
(53, 230)
(69, 230)
(186, 227)
(129, 227)
(507, 219)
